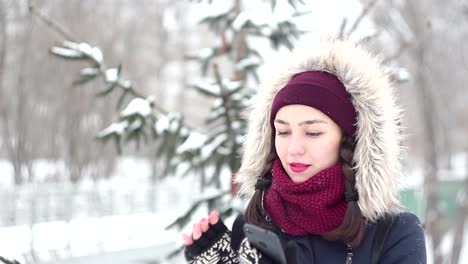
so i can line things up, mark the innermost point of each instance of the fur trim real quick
(378, 136)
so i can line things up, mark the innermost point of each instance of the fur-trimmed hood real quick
(378, 136)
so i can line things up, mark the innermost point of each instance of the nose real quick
(296, 146)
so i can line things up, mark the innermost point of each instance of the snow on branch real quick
(195, 141)
(111, 75)
(114, 129)
(202, 54)
(67, 53)
(248, 62)
(212, 89)
(138, 106)
(170, 123)
(73, 50)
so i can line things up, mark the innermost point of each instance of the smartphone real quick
(266, 241)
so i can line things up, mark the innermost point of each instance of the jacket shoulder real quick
(405, 242)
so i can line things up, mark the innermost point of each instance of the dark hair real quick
(351, 230)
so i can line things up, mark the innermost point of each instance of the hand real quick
(201, 227)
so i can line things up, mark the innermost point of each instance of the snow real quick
(203, 54)
(236, 125)
(91, 235)
(241, 20)
(170, 22)
(111, 235)
(114, 128)
(216, 112)
(89, 71)
(81, 237)
(7, 170)
(208, 87)
(174, 123)
(402, 75)
(171, 123)
(67, 53)
(94, 52)
(248, 62)
(459, 164)
(139, 169)
(201, 10)
(208, 150)
(45, 169)
(231, 85)
(138, 106)
(446, 247)
(321, 23)
(74, 45)
(84, 48)
(135, 125)
(193, 142)
(218, 102)
(100, 235)
(214, 89)
(126, 84)
(161, 125)
(111, 75)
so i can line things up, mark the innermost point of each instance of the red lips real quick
(298, 167)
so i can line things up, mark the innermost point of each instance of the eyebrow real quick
(303, 123)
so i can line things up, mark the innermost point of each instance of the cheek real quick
(326, 150)
(280, 146)
(333, 149)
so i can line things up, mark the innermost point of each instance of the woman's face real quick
(306, 140)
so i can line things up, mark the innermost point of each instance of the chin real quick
(298, 178)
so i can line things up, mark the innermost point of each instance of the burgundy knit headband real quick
(320, 90)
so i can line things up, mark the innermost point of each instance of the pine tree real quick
(7, 261)
(217, 148)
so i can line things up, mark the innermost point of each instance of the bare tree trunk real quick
(460, 220)
(15, 124)
(240, 45)
(3, 38)
(431, 161)
(434, 224)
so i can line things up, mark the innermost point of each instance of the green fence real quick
(448, 190)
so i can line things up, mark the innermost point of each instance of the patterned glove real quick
(214, 246)
(249, 254)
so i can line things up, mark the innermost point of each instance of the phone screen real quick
(266, 241)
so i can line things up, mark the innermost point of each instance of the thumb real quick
(291, 251)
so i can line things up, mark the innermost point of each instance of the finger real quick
(197, 231)
(204, 225)
(187, 239)
(214, 217)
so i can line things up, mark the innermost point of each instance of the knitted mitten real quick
(249, 254)
(214, 246)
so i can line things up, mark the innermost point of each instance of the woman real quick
(322, 159)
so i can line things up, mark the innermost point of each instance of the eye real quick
(282, 133)
(314, 134)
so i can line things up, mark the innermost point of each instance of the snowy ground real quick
(137, 238)
(147, 255)
(124, 238)
(129, 237)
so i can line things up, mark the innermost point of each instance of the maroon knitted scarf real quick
(315, 206)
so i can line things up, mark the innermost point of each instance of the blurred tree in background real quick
(57, 118)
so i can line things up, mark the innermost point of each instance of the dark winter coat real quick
(404, 244)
